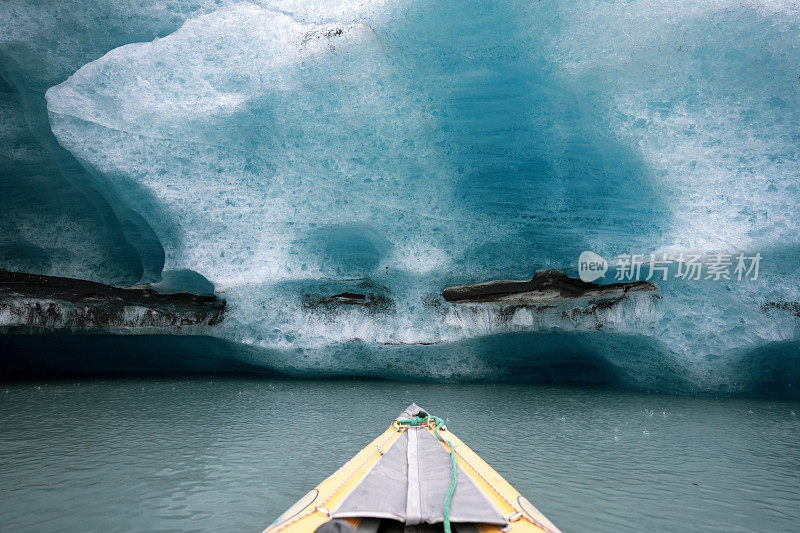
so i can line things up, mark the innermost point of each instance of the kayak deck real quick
(404, 481)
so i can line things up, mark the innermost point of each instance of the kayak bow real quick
(416, 476)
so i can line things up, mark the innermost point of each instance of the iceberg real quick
(331, 167)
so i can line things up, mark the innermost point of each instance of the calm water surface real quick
(211, 455)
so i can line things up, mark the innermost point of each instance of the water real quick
(211, 455)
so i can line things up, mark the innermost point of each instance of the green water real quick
(213, 455)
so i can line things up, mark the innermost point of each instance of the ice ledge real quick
(546, 285)
(34, 303)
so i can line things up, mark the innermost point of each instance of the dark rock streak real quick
(32, 300)
(546, 286)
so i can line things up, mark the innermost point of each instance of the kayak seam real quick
(434, 423)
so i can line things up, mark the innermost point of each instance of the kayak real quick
(415, 477)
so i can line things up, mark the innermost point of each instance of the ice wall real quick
(59, 215)
(53, 221)
(283, 148)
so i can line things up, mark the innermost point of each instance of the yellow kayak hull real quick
(315, 508)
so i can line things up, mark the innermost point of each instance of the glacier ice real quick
(254, 99)
(286, 149)
(52, 222)
(59, 215)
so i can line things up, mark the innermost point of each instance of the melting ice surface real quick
(283, 148)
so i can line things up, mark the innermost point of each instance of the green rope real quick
(439, 423)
